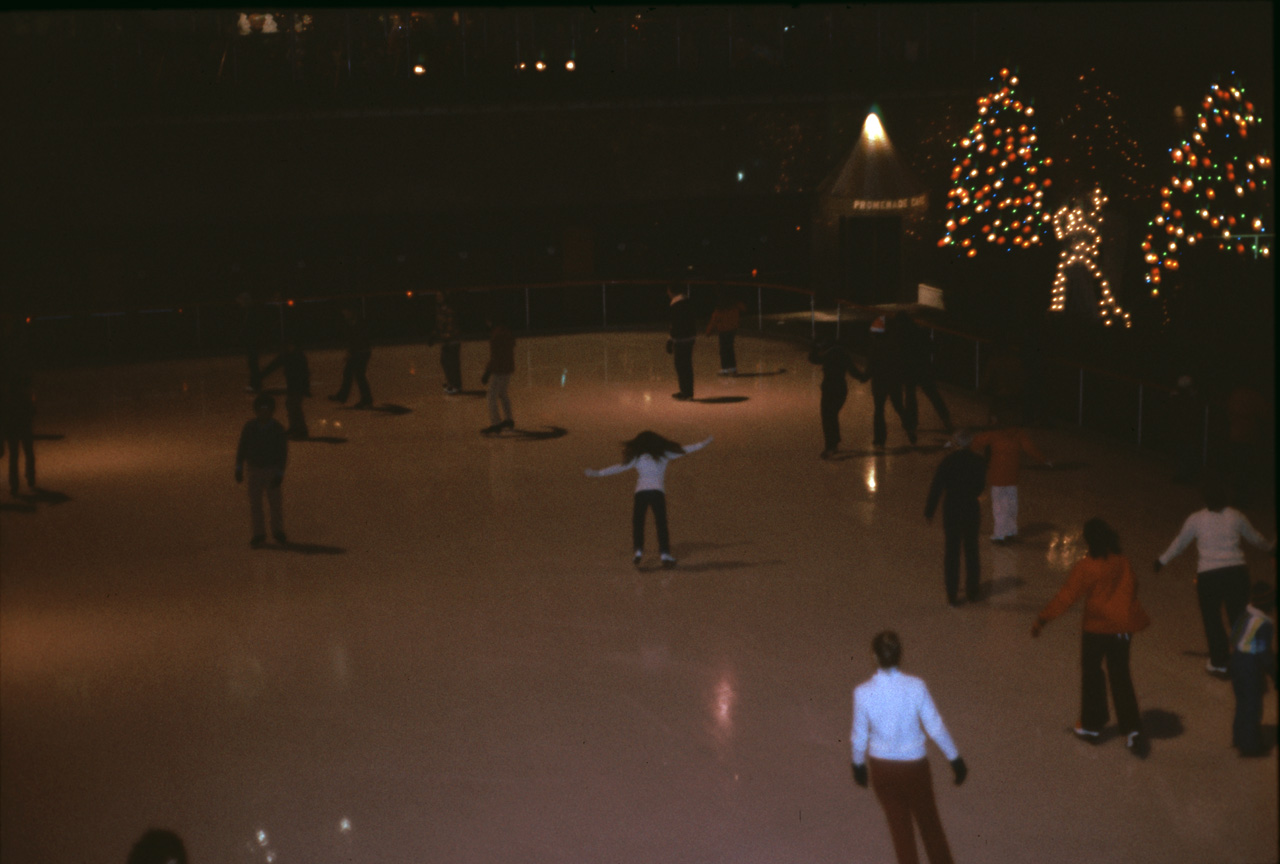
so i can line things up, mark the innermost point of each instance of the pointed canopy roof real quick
(873, 181)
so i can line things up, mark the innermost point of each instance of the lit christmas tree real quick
(1079, 226)
(1218, 192)
(997, 196)
(1093, 141)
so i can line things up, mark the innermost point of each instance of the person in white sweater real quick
(1222, 577)
(648, 454)
(892, 713)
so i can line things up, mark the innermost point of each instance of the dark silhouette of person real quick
(158, 846)
(251, 325)
(959, 480)
(724, 323)
(356, 366)
(297, 382)
(264, 448)
(499, 369)
(684, 332)
(887, 368)
(17, 406)
(836, 363)
(446, 332)
(918, 372)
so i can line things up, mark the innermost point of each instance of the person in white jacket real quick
(1222, 577)
(892, 713)
(648, 454)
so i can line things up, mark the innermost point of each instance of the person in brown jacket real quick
(1112, 615)
(1007, 442)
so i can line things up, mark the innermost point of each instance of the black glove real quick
(860, 774)
(1156, 566)
(239, 474)
(275, 483)
(960, 769)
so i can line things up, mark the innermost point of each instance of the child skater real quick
(1253, 658)
(648, 453)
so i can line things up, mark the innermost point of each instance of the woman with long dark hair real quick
(1112, 615)
(648, 454)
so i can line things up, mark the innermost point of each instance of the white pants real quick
(498, 393)
(1004, 510)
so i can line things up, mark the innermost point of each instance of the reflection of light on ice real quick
(344, 825)
(1064, 550)
(871, 476)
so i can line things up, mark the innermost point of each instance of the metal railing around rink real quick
(1121, 406)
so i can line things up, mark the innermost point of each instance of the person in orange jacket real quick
(1112, 615)
(1007, 442)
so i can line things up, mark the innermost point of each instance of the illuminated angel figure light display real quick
(997, 193)
(1218, 193)
(1079, 225)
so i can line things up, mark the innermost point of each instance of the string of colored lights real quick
(1093, 140)
(997, 167)
(1082, 229)
(1217, 174)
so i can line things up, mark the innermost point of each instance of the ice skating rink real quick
(456, 661)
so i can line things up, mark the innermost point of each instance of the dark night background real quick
(162, 158)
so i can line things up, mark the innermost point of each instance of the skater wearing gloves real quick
(892, 713)
(265, 449)
(1222, 578)
(648, 454)
(1112, 615)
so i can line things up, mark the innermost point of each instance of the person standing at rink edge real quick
(684, 332)
(648, 455)
(1222, 576)
(892, 713)
(1112, 615)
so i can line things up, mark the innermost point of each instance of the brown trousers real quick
(905, 790)
(260, 484)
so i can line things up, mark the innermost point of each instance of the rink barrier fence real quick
(1119, 405)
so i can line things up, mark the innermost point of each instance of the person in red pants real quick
(892, 713)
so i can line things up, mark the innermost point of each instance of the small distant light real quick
(290, 302)
(741, 176)
(754, 271)
(569, 64)
(419, 69)
(797, 227)
(540, 66)
(408, 293)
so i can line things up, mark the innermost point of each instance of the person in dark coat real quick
(446, 333)
(297, 382)
(918, 372)
(959, 481)
(357, 363)
(836, 363)
(684, 332)
(887, 375)
(264, 448)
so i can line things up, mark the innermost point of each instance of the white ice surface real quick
(479, 674)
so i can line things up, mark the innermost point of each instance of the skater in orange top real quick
(1007, 442)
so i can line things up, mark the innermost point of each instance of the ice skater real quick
(1222, 577)
(684, 332)
(356, 366)
(497, 374)
(887, 368)
(1253, 658)
(1112, 614)
(836, 363)
(17, 412)
(892, 713)
(648, 454)
(446, 333)
(297, 383)
(1007, 442)
(724, 323)
(918, 372)
(264, 449)
(959, 481)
